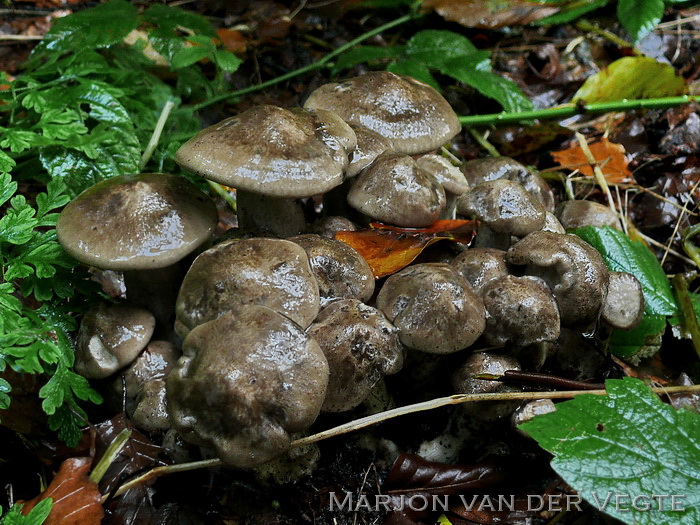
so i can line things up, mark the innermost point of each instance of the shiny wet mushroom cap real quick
(576, 214)
(361, 347)
(270, 272)
(246, 382)
(434, 308)
(450, 178)
(369, 146)
(136, 222)
(480, 265)
(624, 303)
(111, 337)
(411, 115)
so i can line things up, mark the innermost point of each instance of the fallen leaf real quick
(490, 14)
(608, 155)
(232, 40)
(387, 249)
(76, 499)
(631, 78)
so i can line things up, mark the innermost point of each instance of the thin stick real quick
(588, 27)
(20, 38)
(155, 137)
(663, 247)
(678, 223)
(597, 172)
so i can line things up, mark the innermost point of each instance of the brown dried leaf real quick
(608, 155)
(490, 14)
(76, 499)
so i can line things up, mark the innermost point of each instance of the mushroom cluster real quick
(264, 329)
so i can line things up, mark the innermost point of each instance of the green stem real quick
(690, 321)
(689, 246)
(568, 110)
(311, 67)
(588, 27)
(115, 447)
(483, 142)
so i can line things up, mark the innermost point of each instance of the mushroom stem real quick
(450, 210)
(280, 216)
(155, 290)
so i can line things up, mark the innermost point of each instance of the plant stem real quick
(155, 137)
(483, 142)
(568, 110)
(690, 321)
(115, 447)
(311, 67)
(588, 27)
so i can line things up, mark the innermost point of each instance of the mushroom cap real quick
(395, 190)
(481, 265)
(247, 380)
(493, 168)
(552, 224)
(624, 303)
(410, 114)
(520, 311)
(573, 270)
(369, 146)
(434, 308)
(576, 214)
(361, 347)
(464, 382)
(136, 222)
(270, 272)
(154, 362)
(450, 177)
(151, 412)
(340, 271)
(329, 226)
(278, 152)
(111, 337)
(504, 206)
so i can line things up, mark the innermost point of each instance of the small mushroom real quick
(529, 411)
(272, 156)
(573, 270)
(434, 308)
(481, 265)
(520, 311)
(395, 190)
(246, 382)
(450, 177)
(369, 146)
(576, 214)
(270, 272)
(110, 338)
(329, 226)
(340, 271)
(624, 304)
(361, 347)
(411, 115)
(151, 412)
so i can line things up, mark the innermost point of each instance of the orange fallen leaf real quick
(232, 40)
(387, 249)
(76, 499)
(608, 155)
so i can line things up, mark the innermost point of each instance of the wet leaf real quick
(639, 17)
(490, 14)
(608, 155)
(631, 78)
(645, 340)
(387, 249)
(76, 499)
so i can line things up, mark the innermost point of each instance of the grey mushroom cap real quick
(530, 410)
(574, 271)
(361, 347)
(480, 265)
(504, 206)
(329, 226)
(410, 114)
(576, 214)
(465, 382)
(369, 146)
(396, 191)
(434, 308)
(624, 303)
(136, 222)
(519, 311)
(246, 382)
(552, 224)
(450, 177)
(110, 338)
(493, 168)
(151, 412)
(277, 152)
(270, 272)
(340, 271)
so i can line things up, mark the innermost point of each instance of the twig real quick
(311, 67)
(656, 243)
(684, 210)
(113, 450)
(597, 172)
(20, 38)
(588, 27)
(155, 137)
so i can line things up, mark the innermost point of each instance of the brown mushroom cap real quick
(624, 303)
(340, 271)
(434, 308)
(288, 153)
(450, 177)
(504, 206)
(576, 214)
(369, 146)
(111, 337)
(493, 168)
(136, 222)
(481, 265)
(270, 272)
(361, 347)
(410, 114)
(329, 226)
(151, 412)
(395, 190)
(552, 224)
(520, 311)
(573, 270)
(247, 380)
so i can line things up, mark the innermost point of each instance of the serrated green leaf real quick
(5, 389)
(18, 140)
(627, 443)
(622, 254)
(415, 70)
(643, 341)
(639, 17)
(36, 516)
(631, 78)
(17, 226)
(571, 11)
(365, 55)
(227, 61)
(186, 56)
(7, 188)
(6, 162)
(435, 48)
(173, 18)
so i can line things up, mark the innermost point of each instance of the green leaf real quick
(631, 78)
(36, 516)
(187, 56)
(628, 445)
(227, 61)
(571, 11)
(639, 17)
(7, 188)
(101, 26)
(6, 162)
(172, 19)
(643, 341)
(435, 48)
(415, 70)
(622, 254)
(365, 55)
(5, 389)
